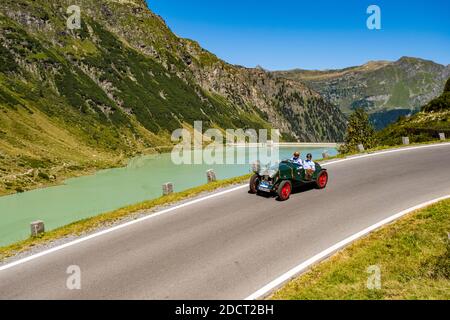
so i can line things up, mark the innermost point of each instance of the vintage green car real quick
(281, 178)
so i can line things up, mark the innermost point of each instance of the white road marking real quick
(120, 226)
(271, 286)
(126, 224)
(377, 153)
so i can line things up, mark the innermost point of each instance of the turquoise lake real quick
(107, 190)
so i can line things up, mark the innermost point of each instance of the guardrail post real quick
(211, 175)
(361, 147)
(167, 188)
(405, 140)
(442, 135)
(37, 227)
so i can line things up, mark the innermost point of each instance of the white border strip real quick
(120, 226)
(376, 153)
(271, 286)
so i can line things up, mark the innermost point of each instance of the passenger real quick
(309, 166)
(296, 158)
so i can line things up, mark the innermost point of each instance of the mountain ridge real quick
(77, 100)
(380, 87)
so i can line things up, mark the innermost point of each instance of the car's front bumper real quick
(265, 187)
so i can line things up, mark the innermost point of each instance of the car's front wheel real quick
(284, 190)
(254, 183)
(322, 180)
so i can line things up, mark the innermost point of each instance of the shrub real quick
(359, 131)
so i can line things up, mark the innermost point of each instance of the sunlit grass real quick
(413, 255)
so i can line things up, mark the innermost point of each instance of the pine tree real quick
(447, 86)
(359, 131)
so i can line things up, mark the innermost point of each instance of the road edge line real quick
(213, 195)
(297, 270)
(377, 153)
(117, 227)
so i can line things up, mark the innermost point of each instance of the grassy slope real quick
(59, 119)
(423, 126)
(420, 127)
(74, 101)
(43, 135)
(413, 255)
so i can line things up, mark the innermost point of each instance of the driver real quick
(296, 158)
(309, 166)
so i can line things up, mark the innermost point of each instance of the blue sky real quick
(313, 34)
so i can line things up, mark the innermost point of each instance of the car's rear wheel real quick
(284, 190)
(254, 183)
(322, 180)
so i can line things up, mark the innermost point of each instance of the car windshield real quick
(290, 161)
(269, 169)
(273, 167)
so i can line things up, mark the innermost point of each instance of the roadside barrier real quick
(37, 227)
(167, 188)
(211, 175)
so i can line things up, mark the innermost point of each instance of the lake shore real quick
(43, 177)
(107, 190)
(49, 176)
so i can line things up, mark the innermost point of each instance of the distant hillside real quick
(72, 100)
(425, 125)
(379, 87)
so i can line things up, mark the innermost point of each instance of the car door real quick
(299, 173)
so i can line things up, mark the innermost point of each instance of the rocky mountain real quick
(386, 90)
(73, 99)
(425, 125)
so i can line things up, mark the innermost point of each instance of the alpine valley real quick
(73, 101)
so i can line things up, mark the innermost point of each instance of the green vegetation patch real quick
(413, 255)
(7, 63)
(400, 95)
(441, 103)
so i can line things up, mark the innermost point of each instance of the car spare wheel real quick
(284, 190)
(254, 183)
(322, 180)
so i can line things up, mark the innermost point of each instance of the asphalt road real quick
(228, 247)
